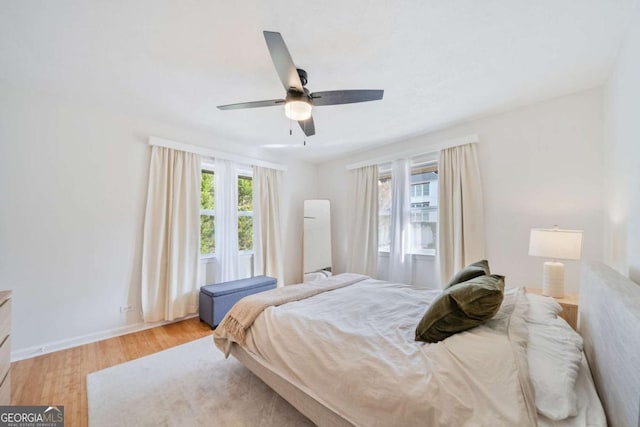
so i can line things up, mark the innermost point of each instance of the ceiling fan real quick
(298, 101)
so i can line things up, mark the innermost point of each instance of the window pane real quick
(207, 234)
(424, 211)
(245, 233)
(245, 193)
(384, 213)
(424, 226)
(207, 194)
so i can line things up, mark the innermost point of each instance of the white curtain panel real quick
(400, 261)
(268, 259)
(460, 210)
(226, 194)
(170, 252)
(363, 233)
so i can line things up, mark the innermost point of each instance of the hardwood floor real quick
(60, 378)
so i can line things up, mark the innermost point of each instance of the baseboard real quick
(29, 352)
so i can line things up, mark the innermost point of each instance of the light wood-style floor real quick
(60, 378)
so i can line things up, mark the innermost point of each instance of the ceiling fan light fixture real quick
(297, 110)
(299, 101)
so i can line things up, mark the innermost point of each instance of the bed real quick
(305, 373)
(317, 275)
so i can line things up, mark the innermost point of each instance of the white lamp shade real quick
(555, 243)
(297, 110)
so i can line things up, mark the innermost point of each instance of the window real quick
(423, 210)
(245, 213)
(207, 214)
(418, 190)
(384, 212)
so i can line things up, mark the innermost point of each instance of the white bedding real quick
(376, 374)
(590, 411)
(316, 275)
(560, 375)
(554, 354)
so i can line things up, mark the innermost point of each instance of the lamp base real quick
(553, 279)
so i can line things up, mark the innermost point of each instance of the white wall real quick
(622, 157)
(540, 166)
(301, 185)
(73, 182)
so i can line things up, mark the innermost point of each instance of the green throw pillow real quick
(478, 268)
(461, 307)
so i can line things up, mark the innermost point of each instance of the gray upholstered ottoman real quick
(217, 299)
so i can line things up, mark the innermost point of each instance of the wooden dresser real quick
(5, 347)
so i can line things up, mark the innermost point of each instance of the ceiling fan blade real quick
(254, 104)
(307, 126)
(282, 60)
(335, 97)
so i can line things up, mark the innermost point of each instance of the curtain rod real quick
(432, 148)
(208, 152)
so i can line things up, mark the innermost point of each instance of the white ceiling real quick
(439, 62)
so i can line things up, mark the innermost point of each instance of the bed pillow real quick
(478, 268)
(461, 307)
(542, 308)
(555, 355)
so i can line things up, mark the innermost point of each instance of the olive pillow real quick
(478, 268)
(461, 307)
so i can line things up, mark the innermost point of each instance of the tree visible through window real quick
(245, 213)
(207, 214)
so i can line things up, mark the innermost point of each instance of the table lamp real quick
(555, 244)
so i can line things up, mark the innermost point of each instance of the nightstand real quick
(569, 303)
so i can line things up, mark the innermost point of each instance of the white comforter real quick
(353, 349)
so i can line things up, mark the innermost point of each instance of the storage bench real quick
(217, 299)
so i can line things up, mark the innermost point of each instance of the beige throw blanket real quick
(242, 315)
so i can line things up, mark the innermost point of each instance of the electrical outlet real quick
(126, 308)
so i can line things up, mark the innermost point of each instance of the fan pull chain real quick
(304, 140)
(290, 132)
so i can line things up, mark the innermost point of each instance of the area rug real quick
(188, 385)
